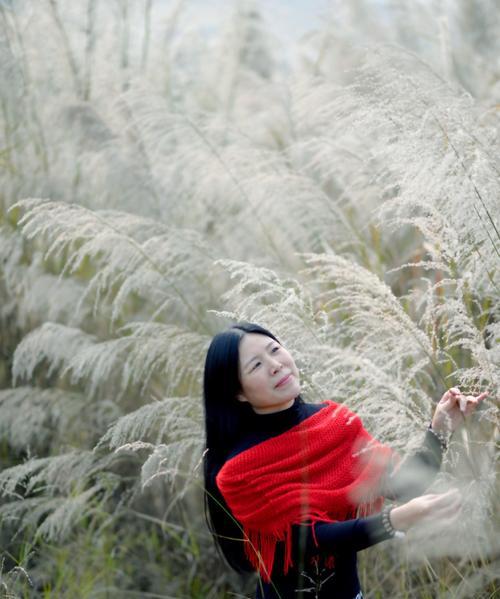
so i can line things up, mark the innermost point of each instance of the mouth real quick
(284, 380)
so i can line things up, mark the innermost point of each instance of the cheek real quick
(250, 385)
(261, 387)
(258, 382)
(292, 365)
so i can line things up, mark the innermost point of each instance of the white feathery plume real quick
(131, 255)
(41, 421)
(172, 418)
(53, 344)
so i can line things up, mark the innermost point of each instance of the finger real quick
(443, 513)
(444, 522)
(440, 511)
(473, 402)
(445, 499)
(449, 394)
(470, 408)
(474, 399)
(448, 497)
(455, 394)
(436, 518)
(454, 501)
(450, 491)
(448, 400)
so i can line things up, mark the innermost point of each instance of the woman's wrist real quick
(399, 518)
(390, 525)
(442, 436)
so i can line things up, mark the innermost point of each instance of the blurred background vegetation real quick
(166, 169)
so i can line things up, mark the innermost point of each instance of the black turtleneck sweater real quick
(315, 575)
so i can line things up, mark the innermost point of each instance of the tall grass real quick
(158, 182)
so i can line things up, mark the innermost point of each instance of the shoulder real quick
(247, 442)
(308, 409)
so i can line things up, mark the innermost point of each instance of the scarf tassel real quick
(261, 547)
(260, 550)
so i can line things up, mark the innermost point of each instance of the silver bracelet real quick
(441, 437)
(387, 524)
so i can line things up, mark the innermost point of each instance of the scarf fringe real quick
(261, 547)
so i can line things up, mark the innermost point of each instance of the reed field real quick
(159, 180)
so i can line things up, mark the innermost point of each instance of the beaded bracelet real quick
(387, 524)
(441, 437)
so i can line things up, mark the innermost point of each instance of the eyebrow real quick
(255, 357)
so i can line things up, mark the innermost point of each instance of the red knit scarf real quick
(326, 468)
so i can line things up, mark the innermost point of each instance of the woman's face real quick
(268, 375)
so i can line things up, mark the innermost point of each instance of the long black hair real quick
(224, 420)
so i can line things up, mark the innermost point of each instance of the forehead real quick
(253, 344)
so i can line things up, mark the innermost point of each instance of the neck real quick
(274, 409)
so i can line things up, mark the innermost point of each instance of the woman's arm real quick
(358, 534)
(416, 473)
(350, 535)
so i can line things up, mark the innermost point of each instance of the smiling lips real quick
(284, 380)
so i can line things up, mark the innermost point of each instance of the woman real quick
(294, 490)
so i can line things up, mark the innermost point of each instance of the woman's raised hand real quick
(452, 408)
(441, 509)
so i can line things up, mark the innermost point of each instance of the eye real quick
(275, 349)
(255, 366)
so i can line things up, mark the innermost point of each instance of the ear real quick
(241, 397)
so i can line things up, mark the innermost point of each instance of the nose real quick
(275, 366)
